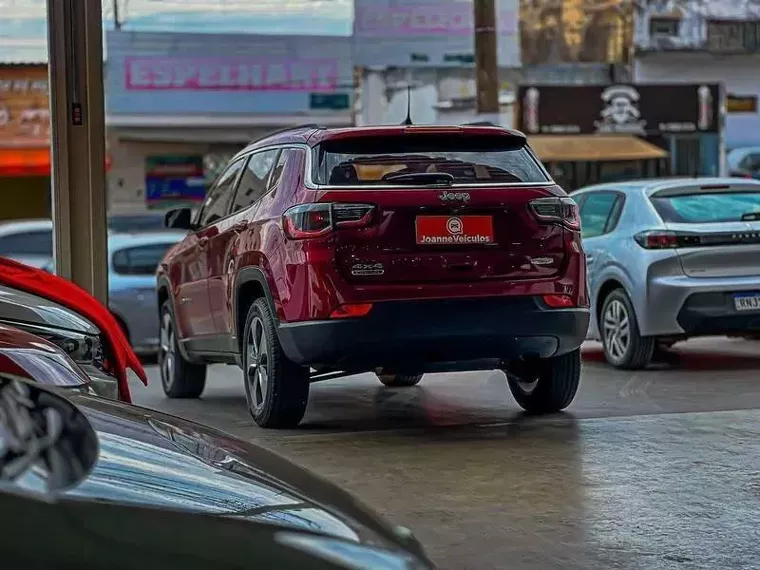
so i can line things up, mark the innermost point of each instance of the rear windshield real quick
(387, 160)
(707, 207)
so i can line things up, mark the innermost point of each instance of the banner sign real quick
(170, 179)
(623, 108)
(24, 107)
(229, 74)
(428, 33)
(385, 19)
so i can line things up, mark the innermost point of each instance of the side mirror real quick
(43, 435)
(180, 219)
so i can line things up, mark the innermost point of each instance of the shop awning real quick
(593, 148)
(25, 162)
(29, 162)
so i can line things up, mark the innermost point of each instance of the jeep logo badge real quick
(453, 196)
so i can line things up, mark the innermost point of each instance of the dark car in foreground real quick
(398, 250)
(105, 474)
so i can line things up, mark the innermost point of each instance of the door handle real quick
(202, 242)
(240, 227)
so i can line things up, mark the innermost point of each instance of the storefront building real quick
(178, 105)
(590, 134)
(24, 141)
(717, 42)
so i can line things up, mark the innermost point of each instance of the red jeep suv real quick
(399, 250)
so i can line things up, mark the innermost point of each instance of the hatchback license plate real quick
(454, 230)
(749, 302)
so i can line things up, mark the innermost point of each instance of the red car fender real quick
(65, 293)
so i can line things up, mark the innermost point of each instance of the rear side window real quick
(389, 160)
(142, 260)
(702, 207)
(597, 212)
(27, 243)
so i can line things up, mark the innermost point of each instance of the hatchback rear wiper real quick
(426, 178)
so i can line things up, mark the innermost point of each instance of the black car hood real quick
(149, 458)
(20, 307)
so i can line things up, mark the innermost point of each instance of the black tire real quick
(547, 385)
(399, 380)
(179, 377)
(278, 398)
(637, 351)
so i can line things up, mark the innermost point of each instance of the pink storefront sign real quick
(424, 19)
(229, 74)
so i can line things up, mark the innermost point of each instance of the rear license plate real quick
(747, 302)
(454, 230)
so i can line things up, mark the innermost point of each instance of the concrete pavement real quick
(653, 469)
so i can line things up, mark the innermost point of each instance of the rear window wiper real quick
(751, 217)
(427, 178)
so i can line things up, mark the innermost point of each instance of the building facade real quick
(24, 141)
(715, 42)
(176, 100)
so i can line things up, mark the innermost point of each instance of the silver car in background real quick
(670, 259)
(132, 262)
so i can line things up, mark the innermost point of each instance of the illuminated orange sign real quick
(24, 107)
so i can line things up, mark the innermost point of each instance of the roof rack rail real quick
(480, 124)
(295, 128)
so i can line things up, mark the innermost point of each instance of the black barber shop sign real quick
(644, 110)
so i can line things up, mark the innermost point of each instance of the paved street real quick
(653, 469)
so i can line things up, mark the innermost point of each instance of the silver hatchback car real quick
(670, 259)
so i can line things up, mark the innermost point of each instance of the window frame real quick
(655, 21)
(278, 151)
(125, 251)
(614, 214)
(244, 161)
(28, 232)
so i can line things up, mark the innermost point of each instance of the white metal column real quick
(75, 46)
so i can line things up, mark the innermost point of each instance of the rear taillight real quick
(562, 211)
(558, 301)
(659, 239)
(307, 221)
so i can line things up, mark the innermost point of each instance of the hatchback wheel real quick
(399, 380)
(624, 347)
(276, 389)
(179, 378)
(547, 385)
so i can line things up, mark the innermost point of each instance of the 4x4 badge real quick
(452, 196)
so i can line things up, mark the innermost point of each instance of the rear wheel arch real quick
(250, 284)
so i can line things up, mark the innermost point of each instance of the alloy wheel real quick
(616, 330)
(166, 356)
(257, 364)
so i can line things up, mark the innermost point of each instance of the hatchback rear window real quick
(702, 208)
(425, 159)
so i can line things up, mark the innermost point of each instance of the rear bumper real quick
(419, 336)
(667, 308)
(706, 314)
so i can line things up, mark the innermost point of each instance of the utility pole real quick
(486, 60)
(116, 19)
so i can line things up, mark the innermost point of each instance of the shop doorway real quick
(687, 153)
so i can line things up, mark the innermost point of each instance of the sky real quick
(23, 26)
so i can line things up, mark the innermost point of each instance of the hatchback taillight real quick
(662, 239)
(562, 211)
(307, 221)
